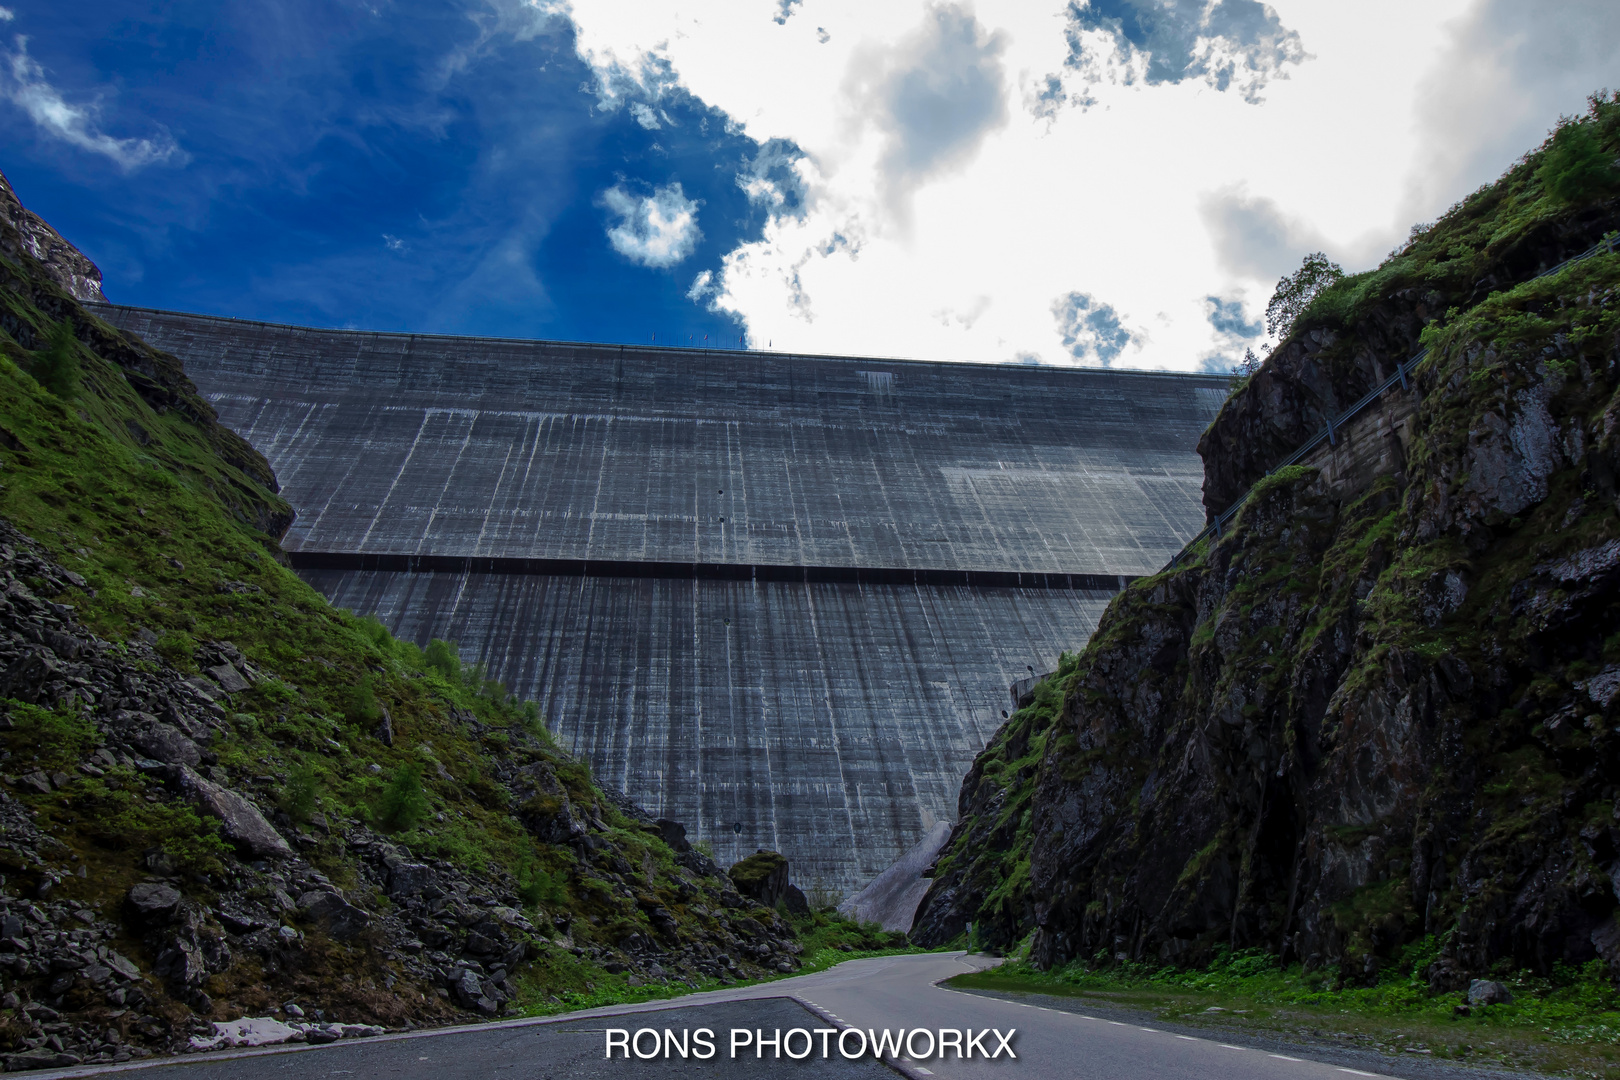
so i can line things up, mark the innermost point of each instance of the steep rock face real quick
(29, 234)
(1330, 361)
(1378, 708)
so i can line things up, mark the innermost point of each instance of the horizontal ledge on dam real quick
(614, 568)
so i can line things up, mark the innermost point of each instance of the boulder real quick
(27, 676)
(762, 877)
(469, 992)
(230, 680)
(339, 918)
(793, 897)
(165, 743)
(123, 966)
(153, 902)
(410, 879)
(1488, 992)
(205, 688)
(240, 821)
(674, 834)
(248, 1031)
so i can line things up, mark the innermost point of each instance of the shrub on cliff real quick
(441, 657)
(1576, 168)
(56, 367)
(404, 803)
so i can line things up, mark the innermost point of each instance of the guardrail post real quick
(1400, 369)
(1332, 439)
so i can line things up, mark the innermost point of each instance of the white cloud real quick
(940, 165)
(24, 85)
(645, 116)
(1228, 44)
(1506, 72)
(6, 14)
(1253, 236)
(1091, 330)
(656, 230)
(702, 286)
(935, 95)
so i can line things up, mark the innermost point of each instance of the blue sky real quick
(319, 163)
(1114, 182)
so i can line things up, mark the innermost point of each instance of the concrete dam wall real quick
(777, 597)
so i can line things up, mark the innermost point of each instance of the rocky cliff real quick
(220, 796)
(26, 233)
(1381, 709)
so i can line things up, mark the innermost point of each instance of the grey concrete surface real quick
(468, 446)
(891, 898)
(898, 992)
(828, 719)
(832, 723)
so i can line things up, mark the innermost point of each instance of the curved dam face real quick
(780, 598)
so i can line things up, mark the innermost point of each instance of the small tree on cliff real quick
(1296, 291)
(1576, 167)
(56, 366)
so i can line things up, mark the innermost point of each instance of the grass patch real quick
(1568, 1023)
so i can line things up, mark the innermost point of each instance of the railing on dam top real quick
(1609, 244)
(670, 570)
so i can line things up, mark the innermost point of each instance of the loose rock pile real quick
(406, 941)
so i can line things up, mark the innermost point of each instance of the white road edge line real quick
(1285, 1057)
(1189, 1038)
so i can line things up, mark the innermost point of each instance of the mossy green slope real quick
(429, 814)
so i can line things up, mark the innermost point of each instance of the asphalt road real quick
(890, 992)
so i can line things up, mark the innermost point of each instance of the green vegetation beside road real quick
(1567, 1024)
(828, 939)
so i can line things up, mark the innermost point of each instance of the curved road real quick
(889, 992)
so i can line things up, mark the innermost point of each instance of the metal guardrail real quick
(1609, 244)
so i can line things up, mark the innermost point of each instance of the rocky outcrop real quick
(29, 234)
(1330, 360)
(891, 898)
(764, 878)
(1381, 709)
